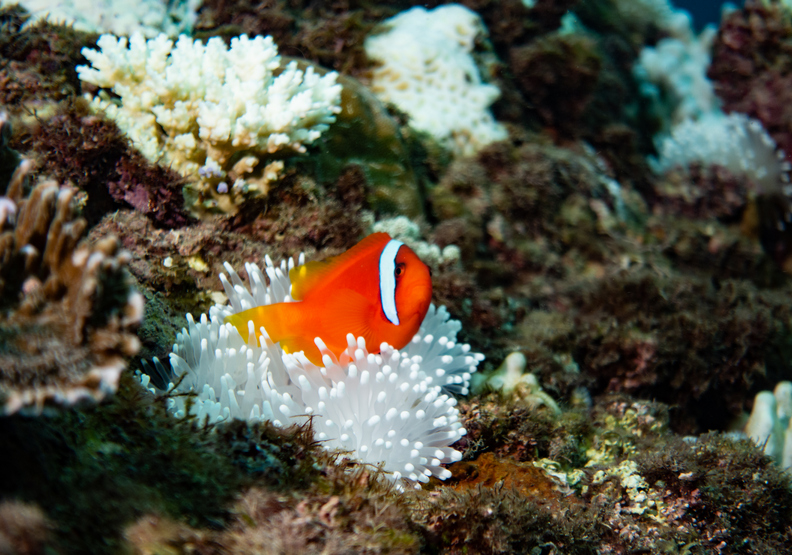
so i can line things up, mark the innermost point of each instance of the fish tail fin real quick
(276, 319)
(283, 323)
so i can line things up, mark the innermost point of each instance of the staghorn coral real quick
(68, 312)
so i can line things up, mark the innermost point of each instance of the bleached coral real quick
(148, 17)
(512, 381)
(427, 71)
(735, 141)
(388, 408)
(216, 115)
(408, 232)
(678, 67)
(769, 424)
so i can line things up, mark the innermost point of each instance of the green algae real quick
(97, 470)
(367, 136)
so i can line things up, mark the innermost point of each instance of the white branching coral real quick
(216, 115)
(149, 17)
(678, 68)
(392, 409)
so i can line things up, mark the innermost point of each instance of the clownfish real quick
(379, 290)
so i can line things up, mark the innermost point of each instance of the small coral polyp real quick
(392, 409)
(216, 115)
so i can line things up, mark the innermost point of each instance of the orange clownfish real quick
(379, 290)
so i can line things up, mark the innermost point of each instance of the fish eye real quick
(399, 270)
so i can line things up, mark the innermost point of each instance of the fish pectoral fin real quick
(306, 277)
(347, 311)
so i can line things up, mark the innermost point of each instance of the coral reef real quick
(624, 255)
(24, 530)
(37, 60)
(149, 17)
(528, 203)
(408, 232)
(69, 311)
(330, 34)
(130, 456)
(353, 515)
(734, 142)
(511, 380)
(767, 426)
(367, 140)
(675, 72)
(557, 75)
(72, 145)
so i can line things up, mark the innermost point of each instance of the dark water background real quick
(703, 11)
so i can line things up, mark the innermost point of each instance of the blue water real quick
(703, 11)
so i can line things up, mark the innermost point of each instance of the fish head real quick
(413, 287)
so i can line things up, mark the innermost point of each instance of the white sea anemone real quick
(393, 408)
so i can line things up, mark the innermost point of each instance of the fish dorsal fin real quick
(306, 277)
